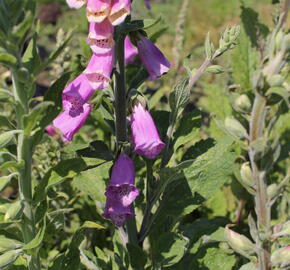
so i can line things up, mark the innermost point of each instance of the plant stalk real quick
(24, 154)
(121, 117)
(263, 208)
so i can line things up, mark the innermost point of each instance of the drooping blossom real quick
(147, 4)
(100, 37)
(117, 213)
(69, 124)
(121, 186)
(50, 129)
(130, 51)
(145, 136)
(99, 70)
(152, 58)
(98, 10)
(119, 11)
(76, 110)
(76, 3)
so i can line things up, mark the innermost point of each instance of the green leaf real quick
(170, 248)
(138, 257)
(33, 120)
(187, 130)
(211, 257)
(7, 59)
(62, 171)
(137, 25)
(5, 94)
(192, 182)
(31, 59)
(4, 122)
(14, 211)
(280, 91)
(7, 137)
(9, 244)
(37, 240)
(98, 150)
(24, 26)
(86, 181)
(248, 266)
(4, 180)
(179, 98)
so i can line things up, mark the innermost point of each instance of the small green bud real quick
(281, 256)
(9, 244)
(235, 127)
(238, 242)
(23, 74)
(9, 257)
(243, 103)
(215, 69)
(276, 80)
(14, 211)
(272, 190)
(247, 174)
(278, 40)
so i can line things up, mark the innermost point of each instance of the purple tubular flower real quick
(76, 110)
(130, 51)
(119, 11)
(144, 133)
(100, 37)
(121, 187)
(75, 3)
(98, 10)
(116, 212)
(99, 70)
(69, 124)
(147, 4)
(152, 58)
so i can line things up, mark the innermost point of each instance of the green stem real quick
(120, 114)
(263, 208)
(24, 154)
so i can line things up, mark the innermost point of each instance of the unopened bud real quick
(243, 103)
(215, 69)
(282, 230)
(276, 80)
(14, 211)
(281, 256)
(272, 190)
(247, 174)
(278, 40)
(9, 257)
(9, 244)
(238, 242)
(235, 127)
(23, 74)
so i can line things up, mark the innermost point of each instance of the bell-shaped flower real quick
(152, 58)
(145, 136)
(98, 10)
(130, 51)
(76, 3)
(76, 110)
(99, 70)
(69, 124)
(100, 37)
(119, 11)
(147, 4)
(117, 212)
(121, 186)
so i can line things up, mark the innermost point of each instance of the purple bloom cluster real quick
(102, 16)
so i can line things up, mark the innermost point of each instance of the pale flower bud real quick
(281, 256)
(243, 103)
(235, 127)
(272, 190)
(247, 174)
(238, 242)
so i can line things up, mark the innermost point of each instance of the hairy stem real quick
(120, 114)
(24, 154)
(263, 209)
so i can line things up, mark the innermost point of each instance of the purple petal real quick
(119, 11)
(130, 51)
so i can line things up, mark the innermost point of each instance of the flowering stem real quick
(263, 208)
(24, 154)
(120, 114)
